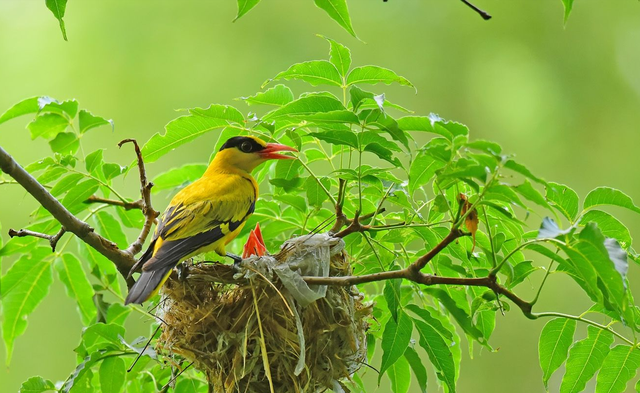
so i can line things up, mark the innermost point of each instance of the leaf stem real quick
(583, 320)
(333, 199)
(544, 280)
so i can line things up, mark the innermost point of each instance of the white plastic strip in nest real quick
(308, 255)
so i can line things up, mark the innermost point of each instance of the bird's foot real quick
(237, 259)
(183, 270)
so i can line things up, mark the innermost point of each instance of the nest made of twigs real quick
(227, 326)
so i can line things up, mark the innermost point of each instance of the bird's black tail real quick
(147, 285)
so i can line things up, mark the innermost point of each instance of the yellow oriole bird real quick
(207, 214)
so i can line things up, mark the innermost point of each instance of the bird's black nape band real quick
(236, 141)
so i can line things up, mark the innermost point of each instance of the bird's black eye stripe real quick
(243, 143)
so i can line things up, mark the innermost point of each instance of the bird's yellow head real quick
(247, 152)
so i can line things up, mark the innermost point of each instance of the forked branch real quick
(53, 239)
(413, 273)
(150, 215)
(122, 260)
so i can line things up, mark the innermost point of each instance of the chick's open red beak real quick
(270, 152)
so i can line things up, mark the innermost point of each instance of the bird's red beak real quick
(270, 152)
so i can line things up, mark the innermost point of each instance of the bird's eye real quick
(245, 147)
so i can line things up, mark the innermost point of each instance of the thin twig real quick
(53, 239)
(139, 204)
(485, 15)
(145, 193)
(121, 259)
(341, 219)
(172, 380)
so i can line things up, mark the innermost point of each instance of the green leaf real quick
(381, 120)
(24, 286)
(177, 177)
(524, 171)
(65, 143)
(426, 316)
(591, 247)
(486, 146)
(432, 124)
(419, 371)
(391, 292)
(315, 72)
(189, 127)
(110, 228)
(526, 190)
(96, 336)
(117, 314)
(340, 56)
(245, 6)
(564, 199)
(58, 7)
(395, 340)
(26, 106)
(67, 108)
(187, 385)
(383, 153)
(609, 196)
(423, 168)
(521, 271)
(78, 286)
(341, 116)
(358, 95)
(47, 125)
(132, 218)
(609, 225)
(620, 365)
(338, 11)
(101, 267)
(367, 137)
(460, 315)
(315, 194)
(36, 385)
(336, 137)
(299, 202)
(74, 200)
(80, 379)
(288, 169)
(568, 4)
(400, 376)
(87, 121)
(112, 375)
(439, 354)
(94, 160)
(307, 105)
(585, 359)
(278, 95)
(374, 75)
(112, 170)
(66, 184)
(555, 339)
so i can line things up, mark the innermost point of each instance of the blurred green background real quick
(565, 100)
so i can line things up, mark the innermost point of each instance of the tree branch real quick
(425, 279)
(53, 239)
(114, 202)
(123, 260)
(145, 201)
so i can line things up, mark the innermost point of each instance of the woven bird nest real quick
(226, 322)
